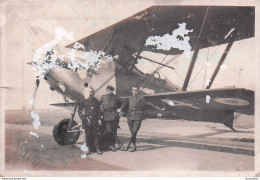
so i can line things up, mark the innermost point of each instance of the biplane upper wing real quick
(224, 99)
(129, 35)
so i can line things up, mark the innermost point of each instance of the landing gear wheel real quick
(60, 134)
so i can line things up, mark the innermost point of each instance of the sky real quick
(27, 25)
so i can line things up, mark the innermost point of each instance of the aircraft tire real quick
(60, 134)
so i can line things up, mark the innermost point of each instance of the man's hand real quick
(120, 112)
(99, 122)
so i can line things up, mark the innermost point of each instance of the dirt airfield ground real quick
(163, 145)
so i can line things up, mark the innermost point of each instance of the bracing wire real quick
(208, 59)
(159, 68)
(149, 76)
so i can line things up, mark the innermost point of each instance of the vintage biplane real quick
(126, 40)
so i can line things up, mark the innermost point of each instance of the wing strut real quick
(222, 59)
(197, 48)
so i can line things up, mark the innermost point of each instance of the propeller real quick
(37, 83)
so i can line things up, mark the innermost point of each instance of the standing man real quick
(111, 103)
(134, 116)
(89, 113)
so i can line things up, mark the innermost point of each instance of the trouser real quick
(92, 136)
(111, 130)
(134, 127)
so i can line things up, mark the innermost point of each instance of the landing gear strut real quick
(229, 120)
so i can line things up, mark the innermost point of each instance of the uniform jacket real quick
(89, 111)
(110, 104)
(136, 105)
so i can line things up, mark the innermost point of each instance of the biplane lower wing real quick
(224, 99)
(211, 105)
(66, 105)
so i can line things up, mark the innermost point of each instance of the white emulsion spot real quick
(207, 98)
(223, 66)
(36, 120)
(89, 60)
(77, 45)
(83, 156)
(73, 58)
(34, 134)
(171, 103)
(32, 101)
(42, 145)
(25, 141)
(208, 81)
(46, 58)
(178, 40)
(39, 66)
(84, 147)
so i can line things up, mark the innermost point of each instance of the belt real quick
(136, 110)
(113, 110)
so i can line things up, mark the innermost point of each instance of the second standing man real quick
(111, 103)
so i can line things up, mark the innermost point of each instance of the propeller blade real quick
(37, 83)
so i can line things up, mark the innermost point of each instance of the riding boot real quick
(113, 148)
(133, 149)
(127, 146)
(129, 143)
(97, 145)
(98, 151)
(88, 152)
(119, 143)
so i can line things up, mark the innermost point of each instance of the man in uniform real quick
(89, 112)
(111, 103)
(135, 115)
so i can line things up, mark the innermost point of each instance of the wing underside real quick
(129, 35)
(226, 99)
(68, 105)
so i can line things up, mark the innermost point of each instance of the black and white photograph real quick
(129, 88)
